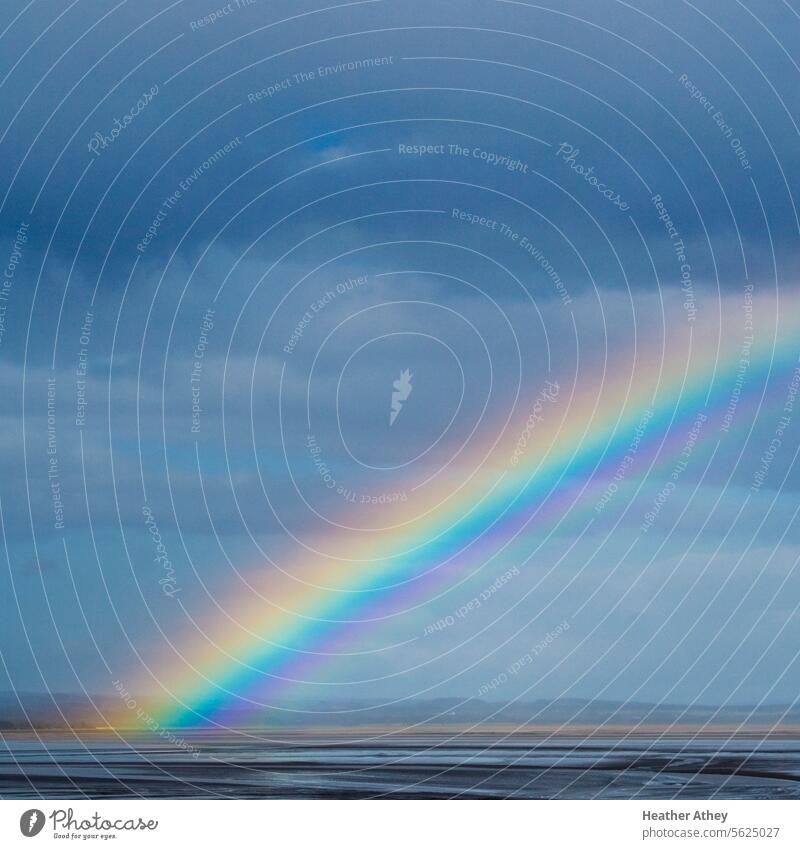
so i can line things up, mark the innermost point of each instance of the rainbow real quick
(262, 636)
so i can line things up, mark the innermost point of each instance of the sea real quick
(373, 765)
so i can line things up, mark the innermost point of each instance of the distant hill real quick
(58, 710)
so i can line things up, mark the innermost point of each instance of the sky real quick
(226, 233)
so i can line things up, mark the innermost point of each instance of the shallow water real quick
(397, 766)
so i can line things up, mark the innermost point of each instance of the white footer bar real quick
(401, 824)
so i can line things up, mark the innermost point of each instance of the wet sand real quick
(380, 763)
